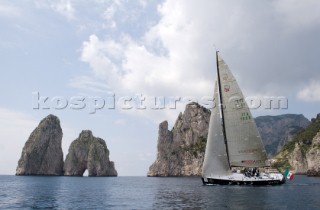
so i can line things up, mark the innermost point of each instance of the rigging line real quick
(221, 108)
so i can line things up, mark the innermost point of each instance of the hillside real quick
(301, 154)
(276, 131)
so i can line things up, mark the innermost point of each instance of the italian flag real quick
(288, 174)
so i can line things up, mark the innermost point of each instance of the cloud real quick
(261, 41)
(102, 57)
(9, 11)
(129, 66)
(310, 93)
(62, 7)
(88, 84)
(65, 8)
(110, 12)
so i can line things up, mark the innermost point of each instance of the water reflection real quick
(35, 192)
(172, 193)
(152, 193)
(59, 192)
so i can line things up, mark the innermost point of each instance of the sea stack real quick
(181, 150)
(89, 152)
(42, 153)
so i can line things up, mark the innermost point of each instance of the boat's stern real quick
(205, 181)
(283, 180)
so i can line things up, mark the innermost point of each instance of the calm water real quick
(152, 193)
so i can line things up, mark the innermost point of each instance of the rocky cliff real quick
(313, 157)
(302, 154)
(181, 150)
(42, 153)
(88, 152)
(276, 131)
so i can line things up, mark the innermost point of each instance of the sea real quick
(41, 192)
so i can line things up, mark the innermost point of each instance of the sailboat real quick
(234, 152)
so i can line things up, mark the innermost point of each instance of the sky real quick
(120, 67)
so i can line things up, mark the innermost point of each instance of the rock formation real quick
(42, 153)
(276, 131)
(88, 152)
(313, 157)
(302, 154)
(181, 150)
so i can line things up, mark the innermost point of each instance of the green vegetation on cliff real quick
(294, 154)
(276, 131)
(198, 147)
(304, 137)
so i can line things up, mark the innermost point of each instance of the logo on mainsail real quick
(226, 88)
(250, 150)
(251, 161)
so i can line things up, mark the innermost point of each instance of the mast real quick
(221, 108)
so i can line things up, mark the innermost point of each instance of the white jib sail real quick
(215, 161)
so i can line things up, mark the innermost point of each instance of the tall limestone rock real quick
(302, 154)
(42, 153)
(313, 157)
(181, 150)
(88, 152)
(276, 131)
(298, 160)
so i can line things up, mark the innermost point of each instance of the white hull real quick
(241, 179)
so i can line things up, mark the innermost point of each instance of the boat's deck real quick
(239, 178)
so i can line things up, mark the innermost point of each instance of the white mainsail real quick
(244, 143)
(215, 160)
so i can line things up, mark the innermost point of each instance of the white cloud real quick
(9, 11)
(310, 92)
(109, 14)
(128, 67)
(65, 8)
(175, 56)
(88, 84)
(99, 55)
(62, 7)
